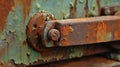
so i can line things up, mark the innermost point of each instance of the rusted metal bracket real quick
(35, 29)
(71, 32)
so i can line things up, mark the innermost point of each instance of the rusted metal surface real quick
(4, 12)
(15, 16)
(91, 61)
(88, 30)
(80, 31)
(63, 53)
(35, 29)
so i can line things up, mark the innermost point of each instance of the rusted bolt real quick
(54, 34)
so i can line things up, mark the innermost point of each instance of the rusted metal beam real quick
(87, 30)
(90, 61)
(63, 53)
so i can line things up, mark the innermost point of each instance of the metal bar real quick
(91, 61)
(88, 30)
(63, 53)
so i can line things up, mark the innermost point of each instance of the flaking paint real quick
(16, 17)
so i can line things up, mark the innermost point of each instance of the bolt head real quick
(54, 35)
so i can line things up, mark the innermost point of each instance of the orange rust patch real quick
(117, 33)
(66, 30)
(86, 8)
(92, 27)
(102, 32)
(90, 37)
(5, 7)
(2, 52)
(26, 7)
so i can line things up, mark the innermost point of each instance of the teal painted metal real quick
(13, 37)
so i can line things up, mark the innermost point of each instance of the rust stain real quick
(73, 9)
(5, 7)
(102, 32)
(66, 30)
(2, 52)
(26, 4)
(26, 7)
(92, 27)
(117, 33)
(86, 8)
(90, 37)
(99, 6)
